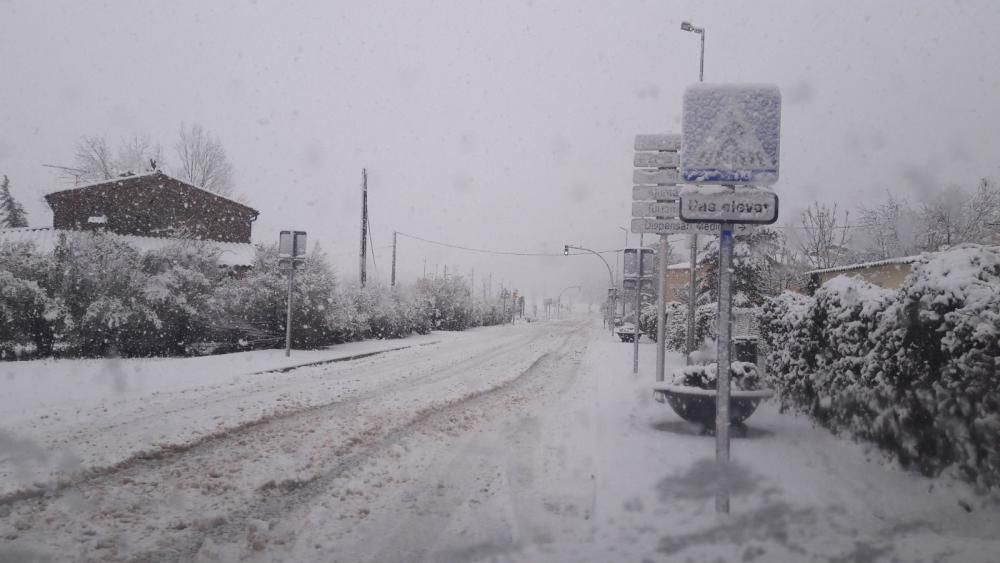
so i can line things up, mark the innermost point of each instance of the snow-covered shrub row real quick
(742, 376)
(94, 296)
(913, 370)
(676, 329)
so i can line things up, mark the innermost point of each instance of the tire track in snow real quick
(206, 482)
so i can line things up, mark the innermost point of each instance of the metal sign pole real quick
(661, 308)
(723, 361)
(692, 296)
(288, 318)
(638, 307)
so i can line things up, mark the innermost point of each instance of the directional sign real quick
(628, 284)
(719, 204)
(671, 142)
(666, 210)
(630, 265)
(656, 160)
(678, 227)
(731, 134)
(656, 176)
(656, 193)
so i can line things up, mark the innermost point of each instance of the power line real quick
(499, 252)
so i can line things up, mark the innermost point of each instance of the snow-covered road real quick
(526, 443)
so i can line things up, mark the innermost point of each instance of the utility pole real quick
(364, 225)
(693, 276)
(393, 282)
(638, 308)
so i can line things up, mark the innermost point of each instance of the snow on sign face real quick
(731, 134)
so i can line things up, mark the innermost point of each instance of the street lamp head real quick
(686, 26)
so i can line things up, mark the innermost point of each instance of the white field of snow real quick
(526, 443)
(61, 417)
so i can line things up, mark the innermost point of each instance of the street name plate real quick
(731, 134)
(668, 142)
(665, 176)
(656, 160)
(655, 209)
(654, 193)
(678, 227)
(728, 205)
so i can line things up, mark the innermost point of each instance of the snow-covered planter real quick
(913, 370)
(692, 392)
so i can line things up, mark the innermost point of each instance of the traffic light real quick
(565, 250)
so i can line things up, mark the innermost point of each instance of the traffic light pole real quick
(611, 276)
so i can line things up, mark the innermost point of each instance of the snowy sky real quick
(504, 125)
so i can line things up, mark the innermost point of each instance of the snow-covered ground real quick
(526, 443)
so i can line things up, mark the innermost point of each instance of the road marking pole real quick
(722, 367)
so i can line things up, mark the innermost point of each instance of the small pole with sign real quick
(731, 139)
(291, 255)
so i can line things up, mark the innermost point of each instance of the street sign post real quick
(731, 134)
(659, 209)
(728, 205)
(656, 193)
(679, 227)
(291, 255)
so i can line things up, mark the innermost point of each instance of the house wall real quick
(889, 276)
(677, 281)
(156, 206)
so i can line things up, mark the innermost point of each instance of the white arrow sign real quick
(671, 142)
(664, 176)
(654, 193)
(655, 209)
(678, 227)
(656, 160)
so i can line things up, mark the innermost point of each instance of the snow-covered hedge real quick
(95, 296)
(913, 370)
(743, 376)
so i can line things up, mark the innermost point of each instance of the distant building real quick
(148, 211)
(152, 205)
(678, 276)
(889, 273)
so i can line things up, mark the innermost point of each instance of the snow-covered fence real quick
(914, 371)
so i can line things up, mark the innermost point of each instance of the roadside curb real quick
(286, 369)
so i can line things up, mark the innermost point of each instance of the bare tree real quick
(955, 216)
(94, 159)
(202, 161)
(890, 228)
(822, 242)
(137, 154)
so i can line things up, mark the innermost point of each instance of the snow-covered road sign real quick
(655, 209)
(656, 193)
(678, 227)
(731, 134)
(719, 204)
(667, 142)
(655, 176)
(656, 160)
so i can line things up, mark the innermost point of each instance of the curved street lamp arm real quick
(611, 276)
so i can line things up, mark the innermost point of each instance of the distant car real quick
(628, 333)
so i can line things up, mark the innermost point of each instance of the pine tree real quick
(11, 212)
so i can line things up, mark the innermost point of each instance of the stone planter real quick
(694, 404)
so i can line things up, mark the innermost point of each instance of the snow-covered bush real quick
(742, 376)
(676, 328)
(913, 370)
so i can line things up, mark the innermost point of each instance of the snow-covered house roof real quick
(866, 265)
(45, 239)
(124, 180)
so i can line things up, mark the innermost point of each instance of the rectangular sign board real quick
(731, 134)
(656, 193)
(629, 285)
(718, 204)
(631, 264)
(655, 176)
(678, 227)
(656, 160)
(667, 142)
(665, 210)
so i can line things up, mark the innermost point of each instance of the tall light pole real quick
(611, 277)
(623, 267)
(693, 276)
